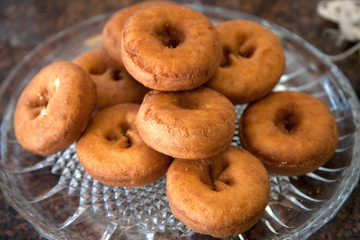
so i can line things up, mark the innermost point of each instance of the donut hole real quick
(187, 103)
(219, 178)
(223, 176)
(118, 75)
(40, 104)
(287, 120)
(229, 55)
(170, 36)
(246, 52)
(225, 61)
(245, 47)
(119, 135)
(37, 112)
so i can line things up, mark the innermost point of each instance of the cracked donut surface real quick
(221, 196)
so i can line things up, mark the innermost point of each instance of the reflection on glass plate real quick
(63, 202)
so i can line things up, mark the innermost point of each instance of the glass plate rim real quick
(344, 82)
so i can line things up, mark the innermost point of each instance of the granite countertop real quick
(24, 24)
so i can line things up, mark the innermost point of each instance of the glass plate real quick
(62, 201)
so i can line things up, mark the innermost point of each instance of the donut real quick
(252, 63)
(54, 108)
(292, 133)
(112, 152)
(221, 196)
(192, 124)
(113, 86)
(112, 31)
(170, 48)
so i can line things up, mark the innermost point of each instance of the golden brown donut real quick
(113, 86)
(292, 133)
(112, 31)
(192, 124)
(112, 152)
(54, 108)
(252, 64)
(221, 196)
(170, 48)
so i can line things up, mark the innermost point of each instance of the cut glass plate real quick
(62, 201)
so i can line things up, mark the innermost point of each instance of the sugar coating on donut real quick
(252, 63)
(54, 108)
(113, 85)
(170, 48)
(292, 133)
(221, 196)
(112, 151)
(112, 31)
(191, 124)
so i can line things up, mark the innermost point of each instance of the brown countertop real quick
(23, 24)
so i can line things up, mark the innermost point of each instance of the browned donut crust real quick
(54, 108)
(112, 152)
(113, 86)
(192, 124)
(252, 64)
(292, 133)
(222, 196)
(170, 48)
(112, 31)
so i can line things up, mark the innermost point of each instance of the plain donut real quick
(252, 64)
(113, 85)
(54, 108)
(112, 32)
(170, 48)
(222, 196)
(112, 152)
(292, 133)
(190, 124)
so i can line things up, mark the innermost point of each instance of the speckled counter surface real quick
(24, 24)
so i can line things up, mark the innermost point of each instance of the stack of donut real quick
(163, 89)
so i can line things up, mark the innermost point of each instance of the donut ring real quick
(292, 133)
(112, 152)
(54, 108)
(252, 64)
(113, 86)
(112, 31)
(192, 124)
(170, 48)
(221, 196)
